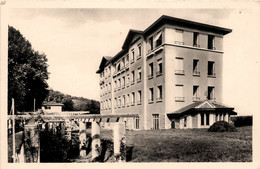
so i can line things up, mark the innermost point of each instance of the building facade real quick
(169, 74)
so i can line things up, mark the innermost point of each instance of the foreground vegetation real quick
(174, 145)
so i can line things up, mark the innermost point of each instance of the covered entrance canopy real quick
(200, 114)
(202, 106)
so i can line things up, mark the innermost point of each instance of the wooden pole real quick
(13, 132)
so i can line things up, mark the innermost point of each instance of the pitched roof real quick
(205, 105)
(104, 61)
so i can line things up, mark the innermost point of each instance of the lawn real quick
(190, 145)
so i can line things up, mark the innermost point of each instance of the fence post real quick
(82, 139)
(32, 143)
(95, 145)
(119, 142)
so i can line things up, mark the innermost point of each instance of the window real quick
(109, 103)
(211, 93)
(123, 62)
(185, 121)
(109, 87)
(139, 78)
(196, 71)
(179, 37)
(139, 97)
(158, 39)
(159, 67)
(128, 80)
(139, 51)
(179, 92)
(115, 102)
(123, 102)
(207, 119)
(196, 93)
(128, 99)
(133, 56)
(150, 75)
(196, 39)
(133, 77)
(137, 123)
(211, 42)
(115, 84)
(127, 60)
(118, 67)
(119, 102)
(155, 121)
(123, 82)
(159, 94)
(179, 66)
(133, 99)
(151, 95)
(211, 69)
(202, 119)
(150, 46)
(119, 84)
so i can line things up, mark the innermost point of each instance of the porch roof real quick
(206, 105)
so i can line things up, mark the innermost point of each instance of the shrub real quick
(222, 126)
(243, 121)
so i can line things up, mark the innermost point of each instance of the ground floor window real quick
(155, 121)
(137, 123)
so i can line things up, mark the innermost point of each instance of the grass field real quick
(191, 145)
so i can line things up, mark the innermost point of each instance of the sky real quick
(76, 39)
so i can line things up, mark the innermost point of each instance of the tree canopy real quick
(27, 73)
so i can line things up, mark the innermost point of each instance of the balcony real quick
(179, 99)
(196, 73)
(159, 73)
(119, 88)
(127, 85)
(159, 99)
(195, 99)
(127, 104)
(179, 72)
(132, 61)
(138, 57)
(132, 82)
(123, 86)
(150, 101)
(150, 76)
(123, 106)
(138, 80)
(179, 43)
(132, 103)
(139, 102)
(213, 75)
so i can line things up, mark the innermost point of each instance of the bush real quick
(222, 126)
(242, 121)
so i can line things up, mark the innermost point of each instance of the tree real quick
(27, 73)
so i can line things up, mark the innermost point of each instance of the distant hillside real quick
(73, 103)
